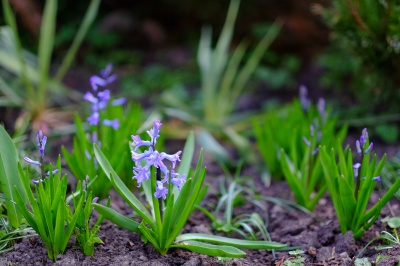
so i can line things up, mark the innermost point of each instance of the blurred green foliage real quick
(367, 33)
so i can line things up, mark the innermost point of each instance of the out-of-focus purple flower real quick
(90, 98)
(36, 182)
(87, 154)
(104, 95)
(360, 144)
(321, 109)
(54, 172)
(303, 98)
(113, 123)
(41, 142)
(95, 199)
(355, 168)
(94, 119)
(119, 101)
(29, 160)
(137, 142)
(306, 141)
(161, 191)
(377, 178)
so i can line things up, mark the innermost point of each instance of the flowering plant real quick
(172, 198)
(109, 125)
(46, 211)
(350, 184)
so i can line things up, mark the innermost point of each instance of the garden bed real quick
(319, 238)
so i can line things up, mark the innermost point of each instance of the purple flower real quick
(141, 174)
(177, 181)
(360, 144)
(304, 101)
(36, 182)
(104, 96)
(377, 178)
(119, 101)
(137, 142)
(161, 191)
(172, 158)
(306, 141)
(87, 154)
(29, 160)
(54, 172)
(155, 159)
(90, 98)
(137, 157)
(94, 119)
(355, 168)
(113, 123)
(154, 132)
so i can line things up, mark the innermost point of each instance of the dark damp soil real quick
(319, 238)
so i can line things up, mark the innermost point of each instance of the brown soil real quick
(320, 239)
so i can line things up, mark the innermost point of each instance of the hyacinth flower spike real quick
(41, 144)
(152, 157)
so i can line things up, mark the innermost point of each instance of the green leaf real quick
(120, 187)
(9, 177)
(239, 243)
(394, 222)
(117, 218)
(46, 46)
(86, 23)
(211, 250)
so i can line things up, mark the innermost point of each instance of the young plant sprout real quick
(172, 197)
(350, 185)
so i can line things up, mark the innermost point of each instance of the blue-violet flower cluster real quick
(361, 150)
(152, 157)
(99, 99)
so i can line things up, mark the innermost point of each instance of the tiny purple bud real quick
(377, 178)
(358, 146)
(95, 199)
(355, 168)
(54, 172)
(36, 182)
(362, 141)
(94, 137)
(305, 140)
(113, 123)
(153, 133)
(107, 71)
(371, 145)
(87, 154)
(119, 101)
(28, 160)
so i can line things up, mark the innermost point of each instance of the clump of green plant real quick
(224, 76)
(391, 172)
(249, 226)
(289, 143)
(85, 230)
(368, 30)
(350, 184)
(30, 85)
(46, 210)
(172, 196)
(109, 125)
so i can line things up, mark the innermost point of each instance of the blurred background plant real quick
(25, 79)
(365, 36)
(223, 78)
(297, 129)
